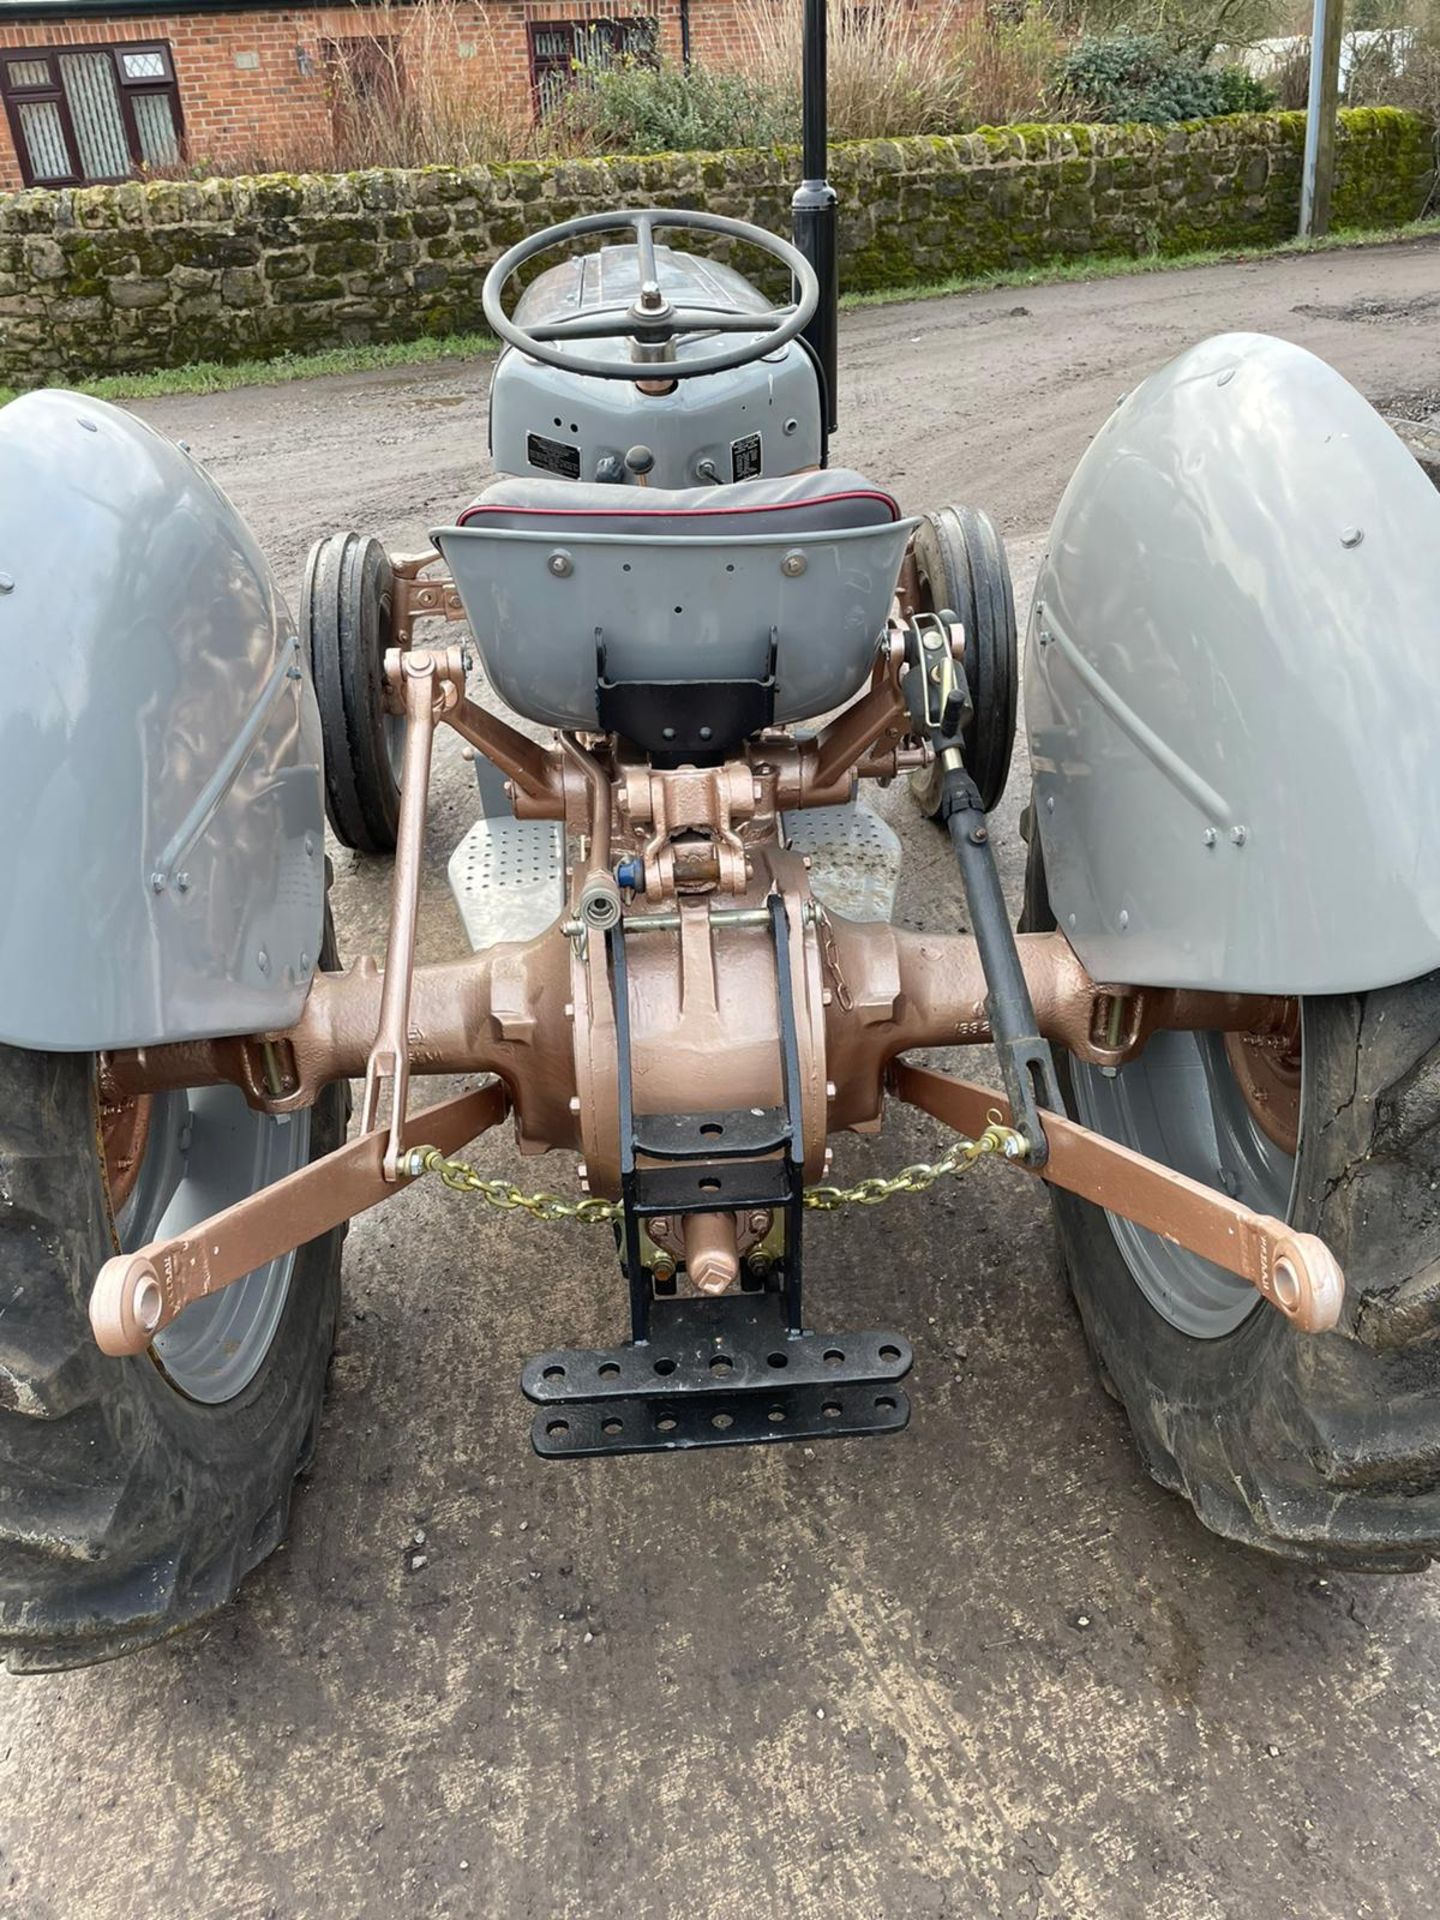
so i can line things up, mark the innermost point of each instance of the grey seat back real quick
(791, 578)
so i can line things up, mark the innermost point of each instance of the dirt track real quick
(984, 1668)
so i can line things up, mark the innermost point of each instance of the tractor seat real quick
(833, 501)
(662, 614)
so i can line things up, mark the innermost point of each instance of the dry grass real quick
(408, 86)
(420, 87)
(1009, 57)
(897, 71)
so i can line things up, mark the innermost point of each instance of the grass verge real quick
(208, 376)
(1053, 272)
(215, 376)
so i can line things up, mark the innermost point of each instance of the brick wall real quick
(118, 279)
(276, 101)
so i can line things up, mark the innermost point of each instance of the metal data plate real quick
(508, 879)
(854, 859)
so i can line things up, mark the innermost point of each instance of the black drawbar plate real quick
(735, 1343)
(577, 1429)
(714, 1373)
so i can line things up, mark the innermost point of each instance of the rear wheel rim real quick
(205, 1150)
(1181, 1103)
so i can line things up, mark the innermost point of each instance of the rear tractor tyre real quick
(136, 1494)
(1321, 1448)
(960, 564)
(346, 617)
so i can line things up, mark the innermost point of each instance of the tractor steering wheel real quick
(651, 320)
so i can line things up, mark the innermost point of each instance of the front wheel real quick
(346, 616)
(959, 564)
(1323, 1448)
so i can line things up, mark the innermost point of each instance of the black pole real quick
(813, 210)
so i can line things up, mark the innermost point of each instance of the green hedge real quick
(129, 278)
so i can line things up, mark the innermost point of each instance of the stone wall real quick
(116, 279)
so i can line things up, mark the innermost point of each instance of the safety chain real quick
(461, 1177)
(963, 1153)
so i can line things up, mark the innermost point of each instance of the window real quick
(559, 47)
(90, 113)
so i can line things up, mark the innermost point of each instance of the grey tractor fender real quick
(162, 860)
(1232, 685)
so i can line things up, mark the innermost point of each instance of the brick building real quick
(99, 89)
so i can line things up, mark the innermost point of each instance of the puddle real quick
(1368, 308)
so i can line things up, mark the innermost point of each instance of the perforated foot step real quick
(717, 1373)
(508, 879)
(854, 858)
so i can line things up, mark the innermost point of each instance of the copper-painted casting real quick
(703, 1007)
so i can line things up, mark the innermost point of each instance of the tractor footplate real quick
(716, 1373)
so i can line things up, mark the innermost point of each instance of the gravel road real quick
(984, 1668)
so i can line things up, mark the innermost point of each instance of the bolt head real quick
(560, 564)
(1352, 536)
(793, 565)
(7, 583)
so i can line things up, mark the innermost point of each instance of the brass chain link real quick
(963, 1154)
(461, 1177)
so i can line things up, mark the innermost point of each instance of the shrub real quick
(893, 72)
(1137, 76)
(635, 108)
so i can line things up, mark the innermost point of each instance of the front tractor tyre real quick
(136, 1494)
(960, 566)
(346, 617)
(1322, 1448)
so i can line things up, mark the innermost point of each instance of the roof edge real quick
(135, 9)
